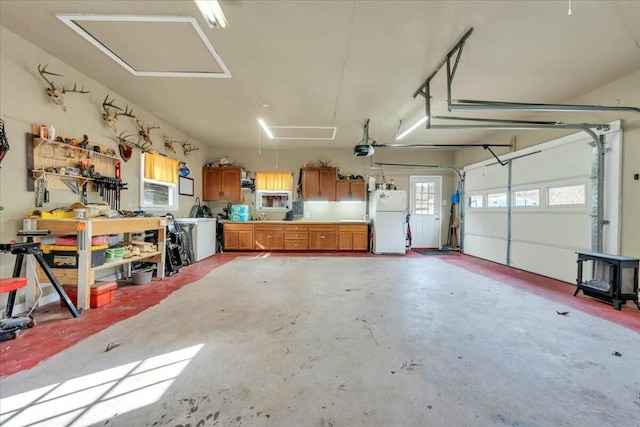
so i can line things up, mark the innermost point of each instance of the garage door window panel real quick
(497, 200)
(568, 195)
(526, 198)
(475, 201)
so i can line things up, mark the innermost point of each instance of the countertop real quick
(342, 221)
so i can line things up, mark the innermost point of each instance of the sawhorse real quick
(33, 248)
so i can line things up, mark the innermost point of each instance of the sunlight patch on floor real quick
(99, 396)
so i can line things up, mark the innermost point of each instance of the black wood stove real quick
(613, 278)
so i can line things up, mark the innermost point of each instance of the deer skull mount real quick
(168, 143)
(57, 96)
(188, 148)
(125, 146)
(145, 134)
(112, 119)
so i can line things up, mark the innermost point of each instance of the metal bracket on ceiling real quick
(486, 147)
(425, 87)
(468, 104)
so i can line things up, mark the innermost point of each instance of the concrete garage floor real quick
(340, 341)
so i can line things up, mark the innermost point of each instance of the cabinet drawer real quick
(268, 227)
(296, 227)
(238, 227)
(296, 236)
(293, 245)
(355, 227)
(323, 227)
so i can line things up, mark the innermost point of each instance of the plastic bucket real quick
(142, 277)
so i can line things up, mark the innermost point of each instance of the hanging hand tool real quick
(40, 193)
(46, 191)
(71, 184)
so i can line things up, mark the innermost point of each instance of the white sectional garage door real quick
(536, 212)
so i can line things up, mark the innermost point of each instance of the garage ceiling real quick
(337, 63)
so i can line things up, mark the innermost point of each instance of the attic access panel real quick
(151, 46)
(327, 133)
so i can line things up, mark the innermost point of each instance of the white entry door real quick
(426, 211)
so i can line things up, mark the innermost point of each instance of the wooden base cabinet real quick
(323, 237)
(296, 237)
(238, 237)
(353, 237)
(268, 237)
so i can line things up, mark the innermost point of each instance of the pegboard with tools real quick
(67, 163)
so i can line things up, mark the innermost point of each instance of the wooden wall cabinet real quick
(353, 237)
(323, 237)
(319, 183)
(221, 184)
(238, 237)
(268, 237)
(350, 189)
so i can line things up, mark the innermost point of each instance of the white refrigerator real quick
(388, 212)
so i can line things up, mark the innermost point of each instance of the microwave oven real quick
(273, 200)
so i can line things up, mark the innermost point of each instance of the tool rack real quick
(51, 157)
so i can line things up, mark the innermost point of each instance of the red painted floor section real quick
(551, 289)
(56, 330)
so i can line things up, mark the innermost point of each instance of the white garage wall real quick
(542, 239)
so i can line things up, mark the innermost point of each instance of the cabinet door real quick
(231, 240)
(330, 240)
(357, 190)
(343, 190)
(310, 184)
(210, 184)
(360, 241)
(230, 184)
(277, 240)
(315, 240)
(245, 240)
(345, 241)
(328, 183)
(261, 240)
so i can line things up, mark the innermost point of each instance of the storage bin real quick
(114, 254)
(101, 293)
(72, 240)
(58, 256)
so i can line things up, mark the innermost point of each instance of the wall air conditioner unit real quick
(363, 150)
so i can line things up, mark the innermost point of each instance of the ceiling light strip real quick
(264, 126)
(411, 129)
(212, 13)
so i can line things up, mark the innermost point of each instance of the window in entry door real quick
(425, 198)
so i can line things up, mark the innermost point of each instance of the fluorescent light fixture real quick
(408, 131)
(266, 129)
(212, 13)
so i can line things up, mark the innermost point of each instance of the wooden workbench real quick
(86, 228)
